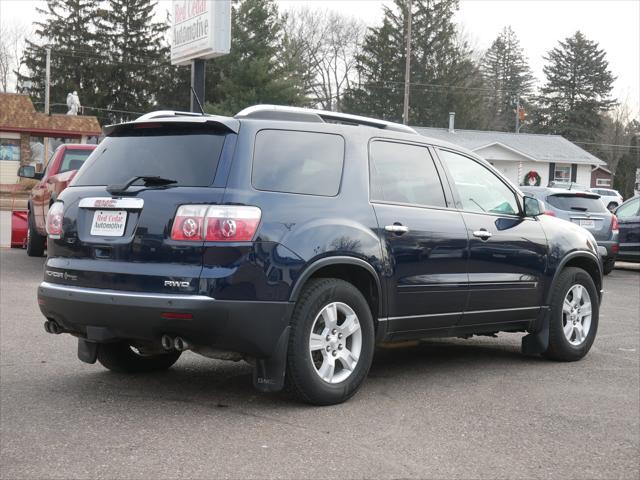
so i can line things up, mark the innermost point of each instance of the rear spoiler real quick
(178, 118)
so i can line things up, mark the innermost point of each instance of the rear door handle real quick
(396, 228)
(482, 234)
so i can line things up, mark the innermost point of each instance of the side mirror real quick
(532, 207)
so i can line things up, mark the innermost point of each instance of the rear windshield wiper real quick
(149, 181)
(580, 209)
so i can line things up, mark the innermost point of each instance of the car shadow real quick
(218, 385)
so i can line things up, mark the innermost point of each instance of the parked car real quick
(584, 209)
(62, 167)
(629, 223)
(298, 239)
(609, 197)
(568, 186)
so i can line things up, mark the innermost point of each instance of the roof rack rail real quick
(168, 113)
(297, 114)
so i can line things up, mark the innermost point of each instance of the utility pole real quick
(407, 67)
(47, 81)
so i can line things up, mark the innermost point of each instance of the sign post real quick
(201, 30)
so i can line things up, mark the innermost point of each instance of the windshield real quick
(188, 156)
(576, 203)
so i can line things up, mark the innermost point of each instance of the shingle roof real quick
(18, 114)
(543, 148)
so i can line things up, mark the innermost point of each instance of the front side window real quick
(562, 174)
(403, 173)
(631, 209)
(298, 162)
(479, 188)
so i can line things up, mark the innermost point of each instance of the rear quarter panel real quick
(308, 227)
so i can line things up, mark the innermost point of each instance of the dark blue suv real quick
(298, 240)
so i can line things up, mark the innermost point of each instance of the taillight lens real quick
(54, 220)
(614, 223)
(551, 213)
(189, 223)
(215, 223)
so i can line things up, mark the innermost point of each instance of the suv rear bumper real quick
(252, 328)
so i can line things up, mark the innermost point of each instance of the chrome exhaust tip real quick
(167, 342)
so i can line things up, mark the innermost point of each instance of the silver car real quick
(585, 209)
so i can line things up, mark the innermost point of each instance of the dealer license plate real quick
(587, 224)
(109, 223)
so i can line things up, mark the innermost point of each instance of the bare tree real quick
(327, 44)
(12, 39)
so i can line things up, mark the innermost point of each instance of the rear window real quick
(576, 203)
(188, 155)
(298, 162)
(73, 160)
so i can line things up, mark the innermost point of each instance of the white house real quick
(523, 157)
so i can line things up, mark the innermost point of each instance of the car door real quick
(423, 236)
(507, 251)
(629, 224)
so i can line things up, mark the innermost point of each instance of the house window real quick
(562, 174)
(10, 149)
(603, 182)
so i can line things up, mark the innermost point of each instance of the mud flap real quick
(87, 351)
(537, 342)
(268, 374)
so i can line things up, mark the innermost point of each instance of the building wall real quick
(9, 168)
(605, 179)
(515, 171)
(583, 176)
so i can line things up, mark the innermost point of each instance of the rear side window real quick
(298, 162)
(73, 160)
(188, 155)
(403, 173)
(576, 203)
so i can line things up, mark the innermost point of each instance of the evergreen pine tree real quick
(505, 71)
(625, 177)
(577, 90)
(136, 57)
(67, 28)
(253, 72)
(443, 76)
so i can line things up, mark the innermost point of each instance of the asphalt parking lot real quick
(443, 409)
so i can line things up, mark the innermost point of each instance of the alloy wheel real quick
(335, 342)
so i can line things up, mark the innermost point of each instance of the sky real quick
(614, 24)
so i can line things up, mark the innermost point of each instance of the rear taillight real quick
(215, 223)
(614, 223)
(189, 223)
(54, 220)
(551, 213)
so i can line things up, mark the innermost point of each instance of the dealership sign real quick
(201, 29)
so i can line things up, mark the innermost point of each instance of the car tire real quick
(571, 330)
(608, 266)
(340, 319)
(36, 243)
(120, 357)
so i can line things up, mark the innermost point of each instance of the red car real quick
(62, 167)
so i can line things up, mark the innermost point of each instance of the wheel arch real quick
(584, 260)
(351, 269)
